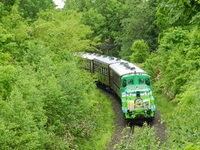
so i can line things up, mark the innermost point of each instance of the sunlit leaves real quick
(63, 30)
(172, 51)
(31, 8)
(185, 127)
(177, 13)
(140, 52)
(138, 24)
(104, 17)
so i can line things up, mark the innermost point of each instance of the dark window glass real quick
(124, 83)
(147, 81)
(141, 80)
(130, 81)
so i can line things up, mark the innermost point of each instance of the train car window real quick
(130, 81)
(147, 81)
(106, 71)
(95, 66)
(124, 83)
(141, 80)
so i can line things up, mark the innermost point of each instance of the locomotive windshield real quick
(135, 80)
(136, 95)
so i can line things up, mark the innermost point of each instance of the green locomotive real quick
(129, 82)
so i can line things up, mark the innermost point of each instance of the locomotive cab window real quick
(130, 81)
(147, 81)
(124, 83)
(141, 80)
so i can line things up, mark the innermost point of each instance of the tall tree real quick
(140, 52)
(138, 25)
(31, 8)
(177, 13)
(104, 18)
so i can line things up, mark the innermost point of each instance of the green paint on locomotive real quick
(136, 96)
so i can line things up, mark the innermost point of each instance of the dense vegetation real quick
(48, 102)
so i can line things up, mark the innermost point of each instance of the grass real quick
(164, 106)
(104, 126)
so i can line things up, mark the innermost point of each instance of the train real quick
(129, 82)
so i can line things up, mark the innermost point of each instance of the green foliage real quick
(177, 13)
(151, 65)
(14, 31)
(31, 8)
(171, 64)
(142, 139)
(138, 24)
(104, 18)
(23, 118)
(62, 30)
(46, 101)
(6, 5)
(184, 129)
(175, 68)
(4, 58)
(140, 52)
(6, 81)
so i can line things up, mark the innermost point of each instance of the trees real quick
(138, 24)
(47, 101)
(140, 52)
(175, 66)
(31, 8)
(104, 17)
(177, 13)
(182, 125)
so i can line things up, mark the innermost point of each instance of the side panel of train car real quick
(101, 66)
(89, 57)
(103, 74)
(115, 82)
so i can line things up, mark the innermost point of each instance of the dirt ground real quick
(120, 123)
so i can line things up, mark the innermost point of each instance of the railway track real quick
(124, 130)
(129, 133)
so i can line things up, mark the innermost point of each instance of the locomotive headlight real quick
(130, 94)
(149, 111)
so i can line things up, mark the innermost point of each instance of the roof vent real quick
(128, 67)
(126, 64)
(118, 59)
(111, 58)
(132, 68)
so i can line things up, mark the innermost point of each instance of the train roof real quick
(125, 68)
(107, 59)
(120, 66)
(89, 56)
